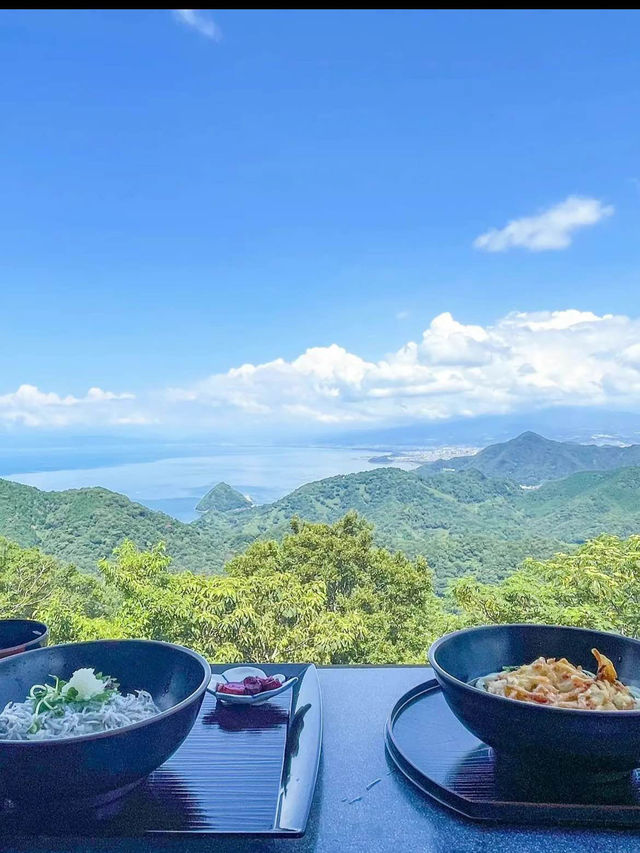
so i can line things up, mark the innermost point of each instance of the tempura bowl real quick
(540, 735)
(82, 768)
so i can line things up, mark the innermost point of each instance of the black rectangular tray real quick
(243, 770)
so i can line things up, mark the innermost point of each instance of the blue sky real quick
(176, 205)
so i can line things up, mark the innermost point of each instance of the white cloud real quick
(200, 21)
(631, 355)
(523, 361)
(551, 229)
(547, 320)
(29, 406)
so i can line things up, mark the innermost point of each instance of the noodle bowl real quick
(544, 733)
(60, 763)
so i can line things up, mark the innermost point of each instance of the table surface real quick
(391, 815)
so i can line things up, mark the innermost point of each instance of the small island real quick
(224, 498)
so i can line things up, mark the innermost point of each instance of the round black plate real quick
(441, 758)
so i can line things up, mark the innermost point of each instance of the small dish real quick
(239, 673)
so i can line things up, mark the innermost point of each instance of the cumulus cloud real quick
(199, 21)
(29, 406)
(520, 362)
(550, 229)
(524, 360)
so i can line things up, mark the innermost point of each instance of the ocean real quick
(175, 484)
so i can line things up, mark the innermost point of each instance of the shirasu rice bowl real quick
(87, 704)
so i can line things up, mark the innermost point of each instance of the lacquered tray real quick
(243, 770)
(441, 758)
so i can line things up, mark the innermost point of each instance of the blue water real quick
(175, 484)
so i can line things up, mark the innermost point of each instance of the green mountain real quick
(223, 499)
(531, 459)
(452, 520)
(587, 504)
(82, 526)
(461, 520)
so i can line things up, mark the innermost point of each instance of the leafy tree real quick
(34, 585)
(388, 595)
(325, 593)
(597, 586)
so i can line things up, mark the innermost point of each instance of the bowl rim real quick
(51, 742)
(8, 651)
(433, 649)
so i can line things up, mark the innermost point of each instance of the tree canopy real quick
(597, 586)
(325, 593)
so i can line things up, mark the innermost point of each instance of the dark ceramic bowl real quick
(21, 635)
(91, 765)
(536, 734)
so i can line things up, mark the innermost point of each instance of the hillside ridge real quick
(530, 459)
(461, 519)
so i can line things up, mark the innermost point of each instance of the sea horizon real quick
(175, 484)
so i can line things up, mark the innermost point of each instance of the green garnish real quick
(84, 687)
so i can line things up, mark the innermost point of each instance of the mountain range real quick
(531, 459)
(484, 513)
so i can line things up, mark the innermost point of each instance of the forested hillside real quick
(82, 526)
(324, 593)
(460, 520)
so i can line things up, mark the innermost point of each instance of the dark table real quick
(390, 817)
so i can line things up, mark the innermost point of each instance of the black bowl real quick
(536, 734)
(91, 765)
(21, 635)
